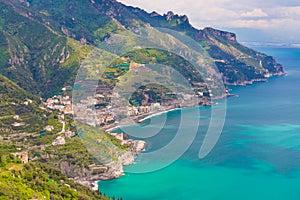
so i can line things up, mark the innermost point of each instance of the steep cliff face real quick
(36, 51)
(39, 181)
(89, 176)
(222, 34)
(41, 48)
(33, 54)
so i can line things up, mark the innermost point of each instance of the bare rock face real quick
(185, 18)
(138, 146)
(154, 14)
(67, 32)
(115, 169)
(169, 15)
(226, 35)
(85, 176)
(89, 176)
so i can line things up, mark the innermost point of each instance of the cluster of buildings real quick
(138, 110)
(97, 110)
(60, 103)
(106, 118)
(60, 140)
(85, 111)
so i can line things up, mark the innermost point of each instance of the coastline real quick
(251, 82)
(157, 114)
(115, 170)
(145, 116)
(139, 119)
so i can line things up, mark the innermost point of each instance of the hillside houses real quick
(60, 103)
(23, 156)
(135, 111)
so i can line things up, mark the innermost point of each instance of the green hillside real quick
(43, 44)
(38, 181)
(37, 53)
(18, 106)
(32, 54)
(22, 129)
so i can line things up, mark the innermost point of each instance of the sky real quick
(253, 20)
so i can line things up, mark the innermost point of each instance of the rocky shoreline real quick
(98, 172)
(90, 177)
(250, 82)
(115, 169)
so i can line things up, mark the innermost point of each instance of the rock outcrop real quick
(89, 176)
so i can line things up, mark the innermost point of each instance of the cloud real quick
(279, 18)
(262, 23)
(257, 12)
(287, 12)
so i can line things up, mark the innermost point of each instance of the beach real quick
(137, 119)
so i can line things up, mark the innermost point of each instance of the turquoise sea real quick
(257, 156)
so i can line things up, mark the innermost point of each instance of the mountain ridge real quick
(89, 22)
(43, 45)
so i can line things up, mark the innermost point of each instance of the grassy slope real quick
(38, 181)
(42, 61)
(43, 56)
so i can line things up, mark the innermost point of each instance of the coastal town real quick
(89, 112)
(101, 109)
(94, 112)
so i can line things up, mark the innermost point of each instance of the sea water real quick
(257, 155)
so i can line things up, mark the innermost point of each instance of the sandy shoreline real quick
(157, 114)
(143, 117)
(139, 119)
